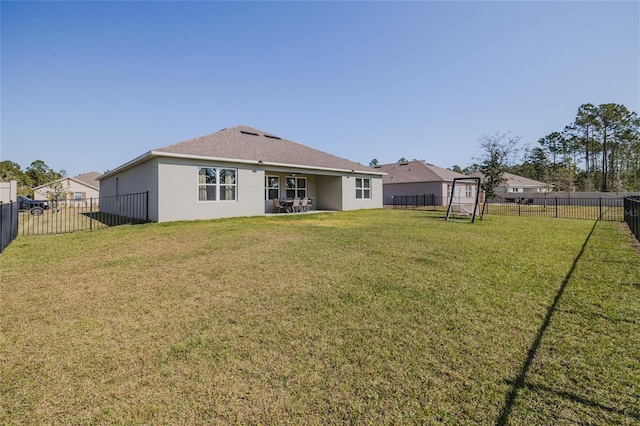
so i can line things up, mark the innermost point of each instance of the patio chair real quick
(295, 206)
(280, 208)
(304, 205)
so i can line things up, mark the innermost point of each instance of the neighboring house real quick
(76, 190)
(420, 178)
(8, 191)
(516, 185)
(238, 172)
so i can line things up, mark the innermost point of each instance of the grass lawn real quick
(367, 317)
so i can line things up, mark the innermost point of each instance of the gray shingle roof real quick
(246, 143)
(90, 178)
(515, 180)
(416, 171)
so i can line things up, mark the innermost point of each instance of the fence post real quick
(91, 213)
(556, 206)
(146, 205)
(600, 205)
(2, 228)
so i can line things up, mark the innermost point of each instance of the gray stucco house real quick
(419, 178)
(237, 172)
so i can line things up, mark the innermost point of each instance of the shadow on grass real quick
(108, 219)
(519, 381)
(597, 316)
(581, 400)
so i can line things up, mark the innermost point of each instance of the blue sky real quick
(88, 86)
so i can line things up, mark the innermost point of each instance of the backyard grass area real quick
(65, 220)
(365, 317)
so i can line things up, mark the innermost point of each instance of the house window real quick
(271, 187)
(468, 191)
(296, 187)
(363, 188)
(216, 184)
(77, 196)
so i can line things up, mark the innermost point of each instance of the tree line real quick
(35, 175)
(598, 151)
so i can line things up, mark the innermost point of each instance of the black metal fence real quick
(602, 208)
(86, 214)
(592, 208)
(8, 224)
(632, 214)
(428, 201)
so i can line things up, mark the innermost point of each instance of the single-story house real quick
(238, 172)
(75, 190)
(516, 185)
(420, 178)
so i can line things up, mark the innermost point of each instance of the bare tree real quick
(498, 149)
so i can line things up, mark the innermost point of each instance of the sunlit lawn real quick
(367, 317)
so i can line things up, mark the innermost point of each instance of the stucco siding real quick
(329, 193)
(438, 189)
(142, 178)
(178, 194)
(349, 200)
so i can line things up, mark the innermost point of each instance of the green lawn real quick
(367, 317)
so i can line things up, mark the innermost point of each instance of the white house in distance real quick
(516, 185)
(420, 178)
(76, 189)
(238, 172)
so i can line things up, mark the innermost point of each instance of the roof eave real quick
(152, 154)
(129, 164)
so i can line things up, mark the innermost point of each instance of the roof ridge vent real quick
(249, 133)
(272, 137)
(405, 163)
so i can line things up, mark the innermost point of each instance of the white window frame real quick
(468, 191)
(268, 188)
(299, 191)
(363, 192)
(217, 185)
